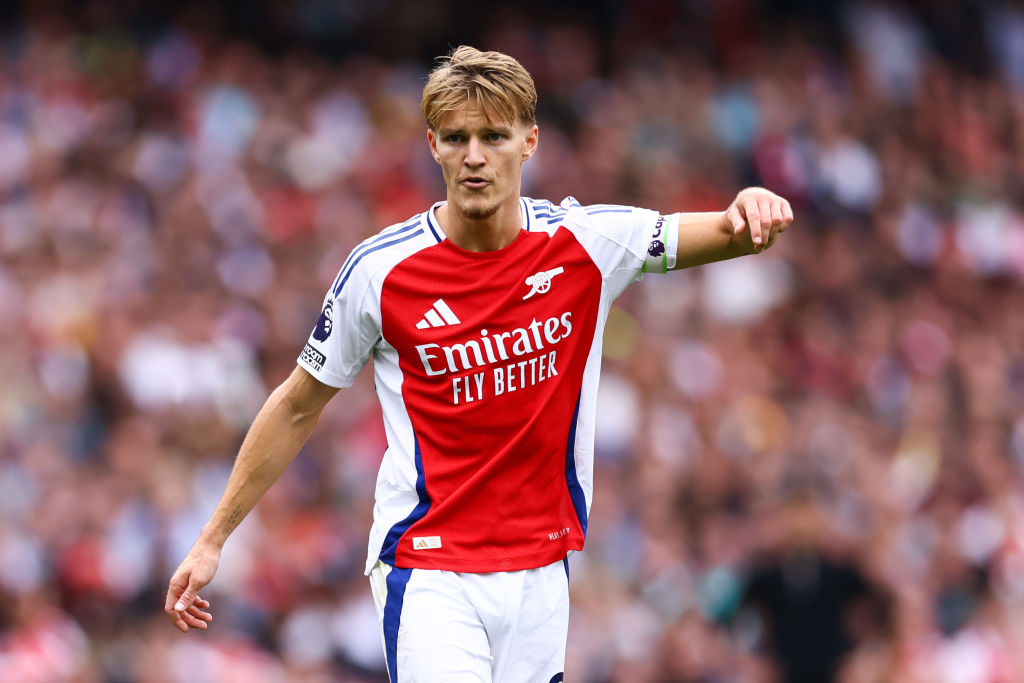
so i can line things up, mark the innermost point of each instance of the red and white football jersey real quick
(486, 366)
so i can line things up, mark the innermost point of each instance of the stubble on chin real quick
(479, 211)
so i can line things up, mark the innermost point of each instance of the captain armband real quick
(661, 252)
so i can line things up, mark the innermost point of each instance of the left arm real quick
(750, 225)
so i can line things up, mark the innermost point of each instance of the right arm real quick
(748, 226)
(280, 429)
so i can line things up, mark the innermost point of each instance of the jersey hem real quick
(476, 566)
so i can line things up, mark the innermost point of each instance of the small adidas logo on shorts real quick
(439, 315)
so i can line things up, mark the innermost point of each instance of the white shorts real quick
(458, 627)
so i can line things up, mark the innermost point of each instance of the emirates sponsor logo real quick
(491, 348)
(513, 360)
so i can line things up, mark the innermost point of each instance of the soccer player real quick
(484, 316)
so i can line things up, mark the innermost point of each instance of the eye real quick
(495, 137)
(454, 138)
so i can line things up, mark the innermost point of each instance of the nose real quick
(474, 153)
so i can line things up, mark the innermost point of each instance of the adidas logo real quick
(426, 542)
(439, 315)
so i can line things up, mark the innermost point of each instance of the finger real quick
(169, 602)
(735, 219)
(199, 614)
(194, 622)
(201, 603)
(787, 214)
(753, 220)
(764, 208)
(180, 624)
(174, 593)
(777, 223)
(187, 598)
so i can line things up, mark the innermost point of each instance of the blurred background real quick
(809, 463)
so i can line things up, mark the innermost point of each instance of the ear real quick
(432, 142)
(530, 143)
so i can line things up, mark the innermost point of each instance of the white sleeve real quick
(663, 248)
(629, 242)
(344, 336)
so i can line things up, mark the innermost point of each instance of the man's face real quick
(481, 159)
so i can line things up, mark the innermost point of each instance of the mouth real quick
(475, 183)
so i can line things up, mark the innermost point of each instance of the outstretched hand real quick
(758, 216)
(183, 605)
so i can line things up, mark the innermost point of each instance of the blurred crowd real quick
(810, 463)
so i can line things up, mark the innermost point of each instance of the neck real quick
(481, 234)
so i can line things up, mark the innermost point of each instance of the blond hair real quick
(496, 82)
